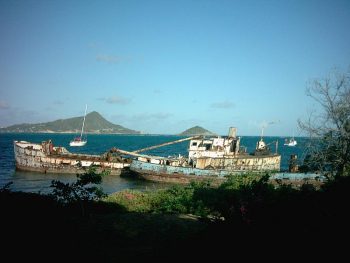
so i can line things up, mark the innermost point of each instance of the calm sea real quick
(98, 144)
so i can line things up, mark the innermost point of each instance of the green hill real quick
(94, 123)
(197, 130)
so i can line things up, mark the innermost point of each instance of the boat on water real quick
(212, 158)
(290, 142)
(47, 158)
(79, 141)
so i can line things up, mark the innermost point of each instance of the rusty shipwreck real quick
(47, 158)
(208, 158)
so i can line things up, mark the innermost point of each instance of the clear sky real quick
(165, 66)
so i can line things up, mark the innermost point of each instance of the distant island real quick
(94, 123)
(197, 130)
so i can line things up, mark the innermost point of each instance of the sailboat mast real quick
(82, 127)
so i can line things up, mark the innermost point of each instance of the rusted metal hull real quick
(178, 178)
(242, 163)
(220, 168)
(45, 158)
(172, 174)
(65, 170)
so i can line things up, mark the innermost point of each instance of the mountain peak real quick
(94, 123)
(94, 113)
(197, 130)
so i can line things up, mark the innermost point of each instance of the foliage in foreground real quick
(244, 199)
(253, 212)
(198, 198)
(84, 190)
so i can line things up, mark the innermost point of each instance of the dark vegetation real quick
(245, 217)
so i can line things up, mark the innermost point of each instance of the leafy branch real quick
(84, 190)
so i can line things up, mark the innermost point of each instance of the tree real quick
(81, 191)
(329, 130)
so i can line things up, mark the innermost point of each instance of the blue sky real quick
(165, 66)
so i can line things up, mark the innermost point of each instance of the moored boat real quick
(290, 142)
(47, 158)
(212, 158)
(79, 141)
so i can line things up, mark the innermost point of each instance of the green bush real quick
(133, 201)
(82, 191)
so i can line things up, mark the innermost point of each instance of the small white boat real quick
(290, 142)
(78, 141)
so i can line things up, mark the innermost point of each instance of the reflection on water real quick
(40, 182)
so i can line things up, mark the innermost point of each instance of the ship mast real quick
(82, 127)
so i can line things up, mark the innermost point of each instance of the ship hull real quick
(45, 158)
(153, 171)
(66, 170)
(77, 143)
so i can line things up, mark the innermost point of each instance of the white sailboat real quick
(79, 141)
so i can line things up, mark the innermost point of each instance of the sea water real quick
(101, 143)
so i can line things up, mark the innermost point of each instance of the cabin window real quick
(194, 144)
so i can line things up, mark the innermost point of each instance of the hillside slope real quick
(94, 123)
